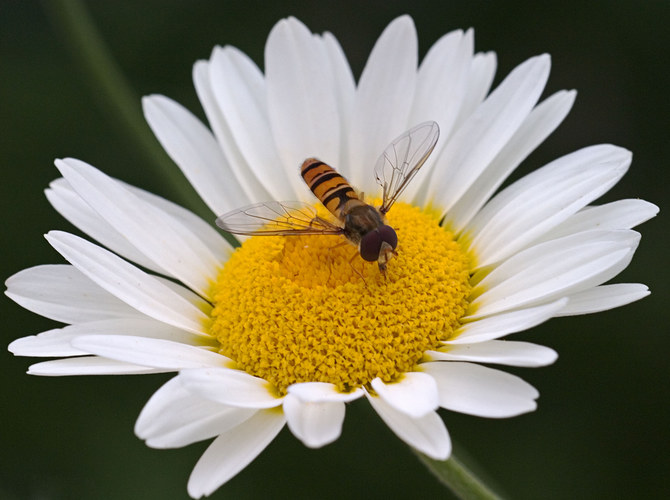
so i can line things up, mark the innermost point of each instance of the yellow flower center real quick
(309, 309)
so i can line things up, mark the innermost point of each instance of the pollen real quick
(308, 308)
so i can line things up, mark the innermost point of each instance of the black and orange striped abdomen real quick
(328, 186)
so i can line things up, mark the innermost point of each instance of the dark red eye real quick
(371, 243)
(388, 235)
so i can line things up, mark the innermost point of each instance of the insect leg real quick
(351, 263)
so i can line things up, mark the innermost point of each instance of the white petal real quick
(156, 353)
(62, 293)
(57, 342)
(499, 325)
(233, 451)
(153, 232)
(603, 298)
(195, 150)
(71, 206)
(240, 91)
(174, 417)
(203, 230)
(187, 294)
(552, 270)
(252, 187)
(322, 392)
(441, 84)
(502, 352)
(526, 210)
(315, 424)
(200, 427)
(344, 88)
(539, 124)
(231, 387)
(133, 286)
(51, 343)
(427, 434)
(302, 104)
(621, 214)
(414, 394)
(480, 78)
(478, 390)
(442, 79)
(477, 142)
(383, 100)
(88, 365)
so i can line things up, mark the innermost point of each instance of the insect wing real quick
(402, 159)
(273, 218)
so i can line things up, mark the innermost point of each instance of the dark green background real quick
(601, 430)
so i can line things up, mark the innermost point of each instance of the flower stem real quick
(115, 95)
(458, 478)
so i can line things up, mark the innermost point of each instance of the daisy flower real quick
(285, 330)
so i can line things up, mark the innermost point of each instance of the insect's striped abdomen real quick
(328, 186)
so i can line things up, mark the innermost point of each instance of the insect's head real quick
(379, 245)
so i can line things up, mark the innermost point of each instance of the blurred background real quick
(601, 429)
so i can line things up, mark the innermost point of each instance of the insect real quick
(360, 223)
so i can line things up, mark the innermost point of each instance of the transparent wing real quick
(272, 218)
(402, 159)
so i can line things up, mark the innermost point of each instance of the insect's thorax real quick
(359, 219)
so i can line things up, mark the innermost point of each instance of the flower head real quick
(288, 329)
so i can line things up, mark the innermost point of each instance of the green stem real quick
(458, 478)
(115, 95)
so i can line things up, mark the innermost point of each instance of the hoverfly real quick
(361, 224)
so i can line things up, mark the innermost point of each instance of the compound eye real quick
(371, 243)
(388, 235)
